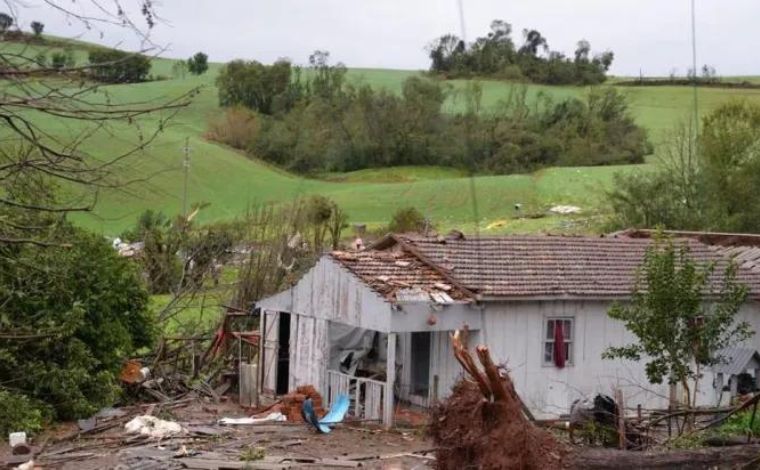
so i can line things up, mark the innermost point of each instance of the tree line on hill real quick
(317, 121)
(496, 55)
(707, 181)
(103, 64)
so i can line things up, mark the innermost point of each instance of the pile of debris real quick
(290, 405)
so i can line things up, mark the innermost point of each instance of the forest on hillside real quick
(496, 55)
(317, 121)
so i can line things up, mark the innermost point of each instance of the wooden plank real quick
(390, 374)
(271, 347)
(207, 464)
(249, 387)
(339, 463)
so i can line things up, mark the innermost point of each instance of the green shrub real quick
(739, 424)
(237, 127)
(19, 413)
(71, 316)
(408, 219)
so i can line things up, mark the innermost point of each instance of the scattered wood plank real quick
(207, 464)
(339, 463)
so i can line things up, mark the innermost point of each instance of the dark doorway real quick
(283, 355)
(421, 364)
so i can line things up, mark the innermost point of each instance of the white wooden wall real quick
(514, 334)
(268, 362)
(443, 365)
(309, 351)
(330, 292)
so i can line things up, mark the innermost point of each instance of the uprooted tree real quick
(483, 423)
(681, 316)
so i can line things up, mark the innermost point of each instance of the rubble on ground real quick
(151, 426)
(205, 444)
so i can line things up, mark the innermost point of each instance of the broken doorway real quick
(283, 354)
(420, 370)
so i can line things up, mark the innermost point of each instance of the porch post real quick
(390, 379)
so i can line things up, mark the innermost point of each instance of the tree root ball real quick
(472, 432)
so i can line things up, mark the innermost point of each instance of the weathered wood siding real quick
(268, 363)
(514, 332)
(445, 370)
(330, 292)
(309, 348)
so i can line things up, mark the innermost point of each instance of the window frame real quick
(569, 341)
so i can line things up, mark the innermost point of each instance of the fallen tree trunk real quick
(746, 456)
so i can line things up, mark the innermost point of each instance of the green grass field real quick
(231, 182)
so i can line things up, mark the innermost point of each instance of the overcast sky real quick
(651, 35)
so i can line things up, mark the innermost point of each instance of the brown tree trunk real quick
(717, 457)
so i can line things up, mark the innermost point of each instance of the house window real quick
(552, 336)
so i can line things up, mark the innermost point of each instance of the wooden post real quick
(620, 417)
(260, 353)
(390, 379)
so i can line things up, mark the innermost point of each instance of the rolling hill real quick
(231, 182)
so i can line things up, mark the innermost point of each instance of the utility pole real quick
(186, 167)
(694, 66)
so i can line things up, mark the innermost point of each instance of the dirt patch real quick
(489, 435)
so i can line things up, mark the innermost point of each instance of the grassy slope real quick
(231, 182)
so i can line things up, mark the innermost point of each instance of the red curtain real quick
(559, 345)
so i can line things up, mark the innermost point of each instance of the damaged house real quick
(376, 323)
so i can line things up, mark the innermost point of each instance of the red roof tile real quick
(550, 266)
(394, 273)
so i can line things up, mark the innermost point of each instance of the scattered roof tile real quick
(396, 274)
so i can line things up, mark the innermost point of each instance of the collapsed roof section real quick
(400, 276)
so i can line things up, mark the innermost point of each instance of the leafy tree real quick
(327, 80)
(115, 66)
(69, 317)
(6, 21)
(179, 69)
(681, 317)
(198, 64)
(256, 86)
(446, 53)
(368, 128)
(37, 28)
(494, 55)
(163, 241)
(704, 184)
(533, 42)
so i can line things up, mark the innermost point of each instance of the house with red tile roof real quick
(377, 322)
